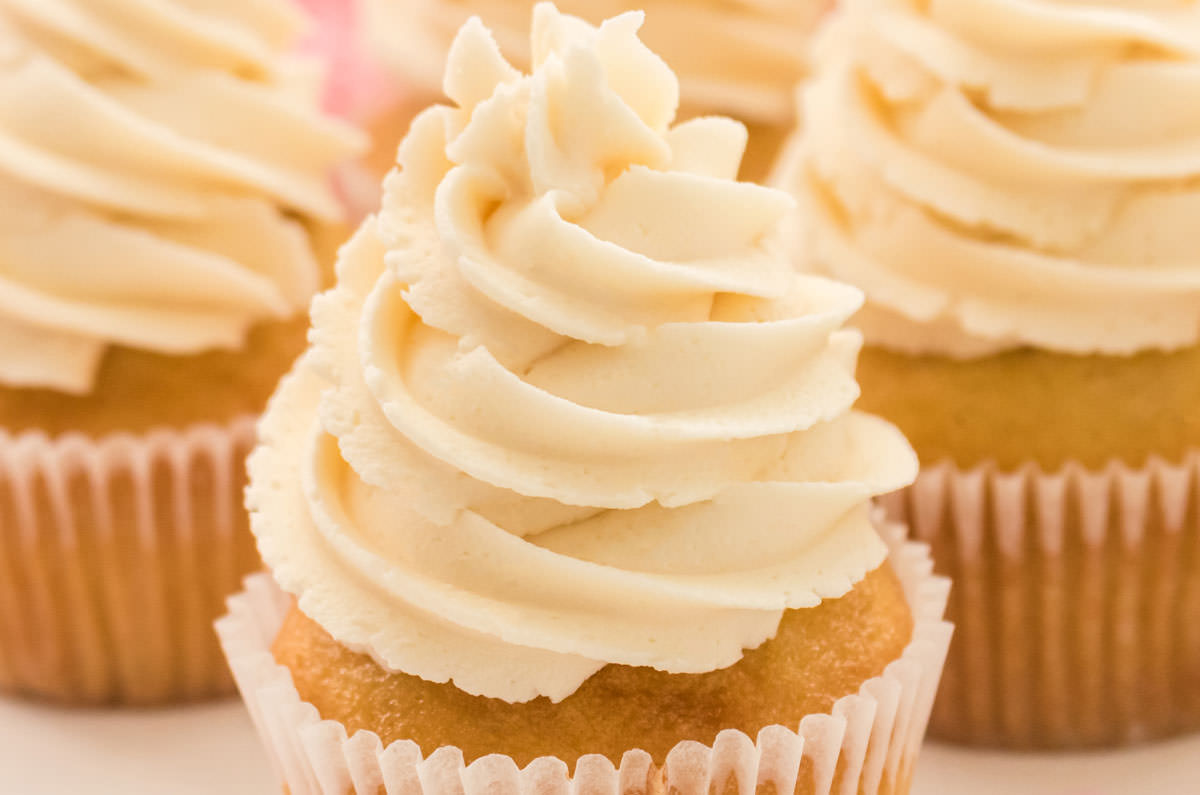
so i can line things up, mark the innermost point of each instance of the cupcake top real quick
(1006, 173)
(733, 56)
(155, 158)
(567, 405)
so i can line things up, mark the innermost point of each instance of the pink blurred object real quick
(357, 87)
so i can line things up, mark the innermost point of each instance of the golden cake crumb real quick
(1036, 405)
(819, 655)
(137, 390)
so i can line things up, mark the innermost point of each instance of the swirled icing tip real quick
(742, 58)
(588, 138)
(568, 404)
(633, 94)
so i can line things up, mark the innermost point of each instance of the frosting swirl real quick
(153, 155)
(742, 57)
(1005, 173)
(567, 406)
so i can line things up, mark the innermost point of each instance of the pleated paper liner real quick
(868, 743)
(116, 555)
(1076, 600)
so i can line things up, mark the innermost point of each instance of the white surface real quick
(204, 750)
(1171, 768)
(212, 749)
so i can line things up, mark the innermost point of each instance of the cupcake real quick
(1013, 185)
(737, 57)
(573, 450)
(165, 182)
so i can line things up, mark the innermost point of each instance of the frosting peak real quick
(1000, 173)
(153, 159)
(737, 56)
(568, 405)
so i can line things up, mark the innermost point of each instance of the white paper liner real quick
(115, 556)
(1076, 600)
(867, 744)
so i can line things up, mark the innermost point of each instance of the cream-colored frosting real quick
(741, 57)
(155, 157)
(1004, 173)
(568, 405)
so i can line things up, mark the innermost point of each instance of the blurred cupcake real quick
(573, 449)
(165, 182)
(1014, 186)
(737, 57)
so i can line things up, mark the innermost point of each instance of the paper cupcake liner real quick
(1076, 601)
(115, 556)
(867, 744)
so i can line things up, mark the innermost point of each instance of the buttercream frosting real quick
(1006, 173)
(569, 405)
(741, 57)
(156, 157)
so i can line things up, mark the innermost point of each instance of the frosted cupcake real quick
(573, 450)
(736, 57)
(1014, 186)
(164, 173)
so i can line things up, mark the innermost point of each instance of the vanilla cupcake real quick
(165, 178)
(736, 57)
(573, 449)
(1014, 185)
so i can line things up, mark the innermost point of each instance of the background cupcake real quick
(574, 451)
(1014, 186)
(165, 179)
(736, 57)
